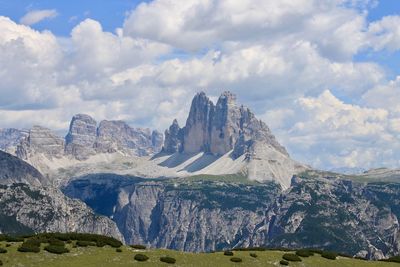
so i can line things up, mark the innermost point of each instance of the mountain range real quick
(220, 181)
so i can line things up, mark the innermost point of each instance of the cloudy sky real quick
(323, 74)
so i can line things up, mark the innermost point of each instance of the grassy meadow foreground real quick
(109, 256)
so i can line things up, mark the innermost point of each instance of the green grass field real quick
(107, 256)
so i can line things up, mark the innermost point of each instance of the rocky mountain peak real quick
(219, 128)
(41, 140)
(197, 129)
(232, 130)
(173, 141)
(227, 98)
(81, 136)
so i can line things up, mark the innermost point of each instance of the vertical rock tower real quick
(228, 129)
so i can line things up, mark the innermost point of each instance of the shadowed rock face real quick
(14, 170)
(173, 138)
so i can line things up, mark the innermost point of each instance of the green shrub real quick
(228, 253)
(317, 251)
(291, 257)
(8, 245)
(236, 259)
(283, 262)
(85, 243)
(80, 237)
(393, 259)
(14, 239)
(254, 255)
(141, 257)
(167, 259)
(118, 250)
(56, 249)
(1, 263)
(329, 255)
(138, 246)
(56, 242)
(250, 249)
(304, 253)
(3, 250)
(28, 248)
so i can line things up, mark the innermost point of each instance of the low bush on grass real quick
(141, 257)
(317, 251)
(228, 253)
(56, 242)
(304, 253)
(254, 255)
(329, 255)
(250, 249)
(236, 259)
(392, 259)
(56, 249)
(26, 247)
(85, 243)
(138, 246)
(167, 259)
(68, 237)
(3, 250)
(14, 239)
(1, 263)
(291, 257)
(118, 250)
(8, 245)
(283, 262)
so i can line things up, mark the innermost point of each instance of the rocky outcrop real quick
(173, 139)
(226, 128)
(221, 128)
(14, 170)
(224, 213)
(30, 209)
(42, 141)
(197, 130)
(113, 136)
(81, 137)
(10, 138)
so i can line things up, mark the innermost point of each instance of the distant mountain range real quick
(220, 181)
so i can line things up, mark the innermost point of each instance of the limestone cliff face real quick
(81, 136)
(14, 170)
(229, 128)
(220, 128)
(27, 206)
(197, 131)
(173, 139)
(113, 136)
(40, 145)
(40, 141)
(205, 215)
(10, 138)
